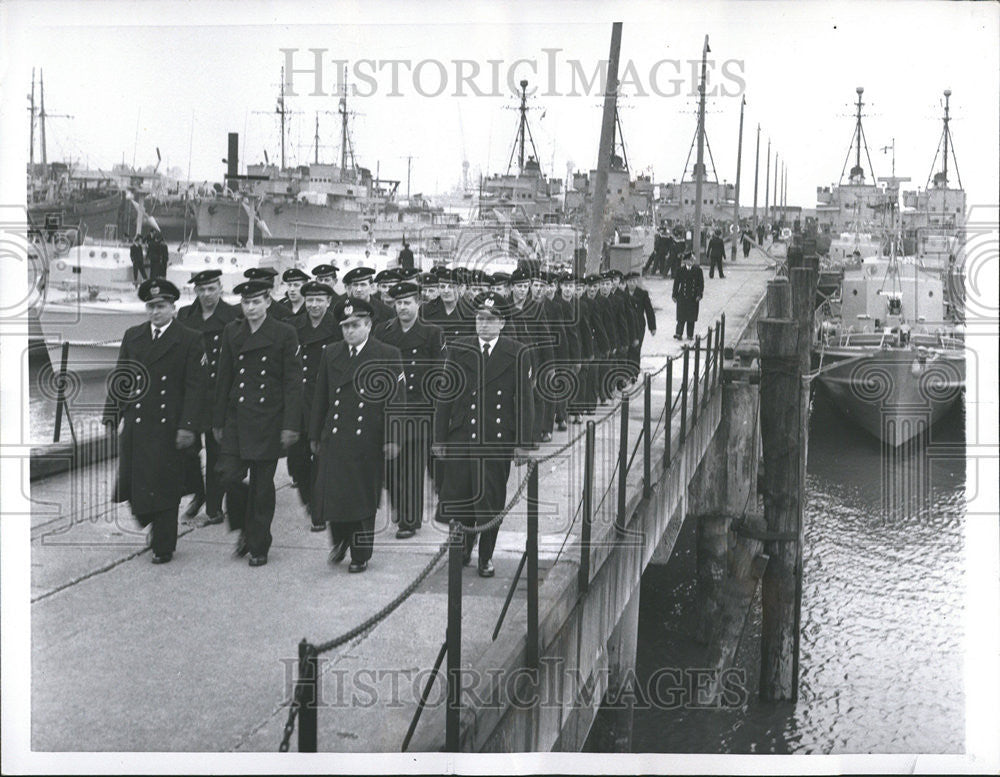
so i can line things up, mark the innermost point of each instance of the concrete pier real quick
(200, 654)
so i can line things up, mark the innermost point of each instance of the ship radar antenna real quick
(523, 132)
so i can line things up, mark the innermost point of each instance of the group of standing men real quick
(453, 373)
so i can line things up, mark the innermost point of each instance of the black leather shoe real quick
(195, 507)
(561, 426)
(677, 337)
(317, 527)
(546, 436)
(486, 568)
(467, 557)
(576, 419)
(158, 559)
(358, 566)
(404, 534)
(213, 520)
(258, 561)
(339, 551)
(241, 547)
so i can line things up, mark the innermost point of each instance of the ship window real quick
(854, 292)
(93, 254)
(930, 294)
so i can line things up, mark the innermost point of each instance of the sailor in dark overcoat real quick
(293, 278)
(421, 346)
(316, 329)
(327, 273)
(450, 311)
(268, 275)
(154, 396)
(158, 256)
(642, 311)
(565, 347)
(483, 425)
(689, 286)
(138, 262)
(209, 315)
(358, 283)
(257, 414)
(529, 325)
(360, 392)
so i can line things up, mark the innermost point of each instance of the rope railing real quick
(300, 707)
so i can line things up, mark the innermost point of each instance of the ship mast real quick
(940, 180)
(699, 167)
(523, 131)
(857, 175)
(31, 146)
(280, 110)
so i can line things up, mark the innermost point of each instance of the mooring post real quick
(453, 637)
(711, 547)
(61, 391)
(532, 653)
(647, 411)
(583, 582)
(722, 344)
(717, 354)
(309, 679)
(622, 466)
(780, 422)
(684, 398)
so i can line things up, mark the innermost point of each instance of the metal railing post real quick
(647, 411)
(61, 391)
(718, 354)
(684, 397)
(708, 366)
(532, 656)
(668, 414)
(695, 377)
(309, 679)
(453, 637)
(622, 465)
(722, 343)
(583, 582)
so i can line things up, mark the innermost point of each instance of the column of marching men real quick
(450, 376)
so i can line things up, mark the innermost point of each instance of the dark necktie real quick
(486, 351)
(156, 333)
(354, 351)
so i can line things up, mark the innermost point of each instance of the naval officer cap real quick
(429, 279)
(386, 276)
(500, 278)
(316, 289)
(324, 270)
(520, 275)
(491, 302)
(403, 289)
(593, 279)
(407, 273)
(205, 277)
(252, 288)
(294, 274)
(351, 309)
(156, 289)
(267, 274)
(631, 274)
(358, 275)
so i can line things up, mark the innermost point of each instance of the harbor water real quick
(881, 667)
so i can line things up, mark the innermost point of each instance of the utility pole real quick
(774, 205)
(409, 162)
(595, 241)
(739, 162)
(699, 167)
(756, 171)
(31, 144)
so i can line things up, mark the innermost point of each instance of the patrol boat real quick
(889, 351)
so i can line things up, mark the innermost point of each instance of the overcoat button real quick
(358, 431)
(336, 416)
(361, 404)
(242, 399)
(242, 385)
(241, 357)
(473, 435)
(263, 358)
(473, 421)
(472, 406)
(262, 399)
(138, 405)
(137, 419)
(334, 430)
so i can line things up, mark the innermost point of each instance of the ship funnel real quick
(233, 157)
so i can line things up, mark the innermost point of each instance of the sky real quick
(146, 75)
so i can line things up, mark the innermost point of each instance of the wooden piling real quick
(712, 548)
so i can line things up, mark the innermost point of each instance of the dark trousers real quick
(690, 327)
(360, 534)
(209, 488)
(404, 475)
(302, 469)
(473, 493)
(163, 539)
(746, 248)
(633, 358)
(138, 270)
(715, 261)
(250, 508)
(584, 400)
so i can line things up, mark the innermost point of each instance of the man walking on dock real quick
(209, 315)
(642, 309)
(155, 396)
(421, 346)
(257, 413)
(360, 382)
(478, 432)
(138, 261)
(689, 286)
(716, 253)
